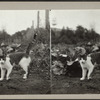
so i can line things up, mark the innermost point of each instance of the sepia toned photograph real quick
(24, 52)
(75, 51)
(49, 50)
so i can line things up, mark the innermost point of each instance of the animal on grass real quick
(22, 59)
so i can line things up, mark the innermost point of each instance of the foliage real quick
(41, 59)
(25, 36)
(4, 36)
(57, 68)
(43, 35)
(71, 36)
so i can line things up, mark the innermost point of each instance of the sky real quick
(17, 20)
(72, 18)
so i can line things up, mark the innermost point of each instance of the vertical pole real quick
(32, 24)
(47, 23)
(38, 20)
(50, 55)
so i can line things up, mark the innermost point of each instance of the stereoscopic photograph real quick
(49, 52)
(75, 51)
(24, 52)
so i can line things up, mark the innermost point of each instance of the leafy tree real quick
(80, 35)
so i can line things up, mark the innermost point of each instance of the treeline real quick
(25, 36)
(70, 36)
(4, 36)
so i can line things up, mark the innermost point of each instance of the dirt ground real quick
(38, 82)
(72, 85)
